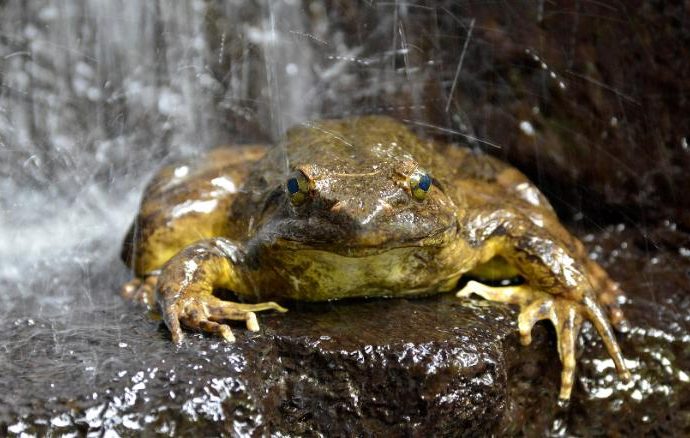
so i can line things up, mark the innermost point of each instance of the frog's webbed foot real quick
(141, 291)
(206, 313)
(566, 316)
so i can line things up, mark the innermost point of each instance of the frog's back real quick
(186, 202)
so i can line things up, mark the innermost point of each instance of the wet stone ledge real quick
(435, 366)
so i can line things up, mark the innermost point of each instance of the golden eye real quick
(298, 188)
(420, 184)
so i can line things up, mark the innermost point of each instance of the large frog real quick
(360, 207)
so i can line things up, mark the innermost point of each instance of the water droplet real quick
(291, 69)
(527, 128)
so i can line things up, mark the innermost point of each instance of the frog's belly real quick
(314, 275)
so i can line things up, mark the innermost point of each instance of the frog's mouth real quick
(364, 244)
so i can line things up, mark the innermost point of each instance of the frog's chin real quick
(317, 272)
(367, 247)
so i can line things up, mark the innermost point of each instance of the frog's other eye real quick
(420, 183)
(298, 188)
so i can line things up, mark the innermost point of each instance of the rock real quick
(386, 366)
(393, 366)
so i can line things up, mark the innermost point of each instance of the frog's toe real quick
(609, 295)
(566, 317)
(207, 314)
(229, 313)
(596, 314)
(531, 314)
(215, 328)
(505, 294)
(194, 314)
(568, 330)
(172, 320)
(140, 291)
(207, 326)
(571, 323)
(128, 289)
(220, 310)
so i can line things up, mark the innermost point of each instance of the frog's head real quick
(359, 186)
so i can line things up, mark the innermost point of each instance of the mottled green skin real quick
(229, 222)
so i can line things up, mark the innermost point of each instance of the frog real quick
(361, 207)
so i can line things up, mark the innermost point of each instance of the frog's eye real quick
(420, 183)
(298, 188)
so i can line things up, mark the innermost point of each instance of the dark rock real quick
(385, 366)
(393, 366)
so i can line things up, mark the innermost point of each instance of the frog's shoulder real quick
(473, 164)
(198, 185)
(188, 174)
(185, 201)
(490, 175)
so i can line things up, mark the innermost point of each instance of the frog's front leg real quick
(185, 290)
(559, 286)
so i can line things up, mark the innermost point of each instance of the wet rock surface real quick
(396, 367)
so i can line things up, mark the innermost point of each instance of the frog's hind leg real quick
(564, 314)
(608, 295)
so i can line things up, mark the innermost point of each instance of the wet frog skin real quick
(359, 207)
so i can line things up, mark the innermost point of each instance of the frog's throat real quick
(440, 239)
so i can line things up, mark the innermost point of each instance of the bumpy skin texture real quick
(359, 227)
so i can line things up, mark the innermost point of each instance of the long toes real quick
(172, 320)
(197, 319)
(276, 306)
(148, 290)
(467, 290)
(223, 311)
(252, 323)
(208, 314)
(230, 312)
(268, 305)
(504, 294)
(609, 299)
(568, 332)
(608, 294)
(598, 318)
(221, 330)
(530, 315)
(226, 311)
